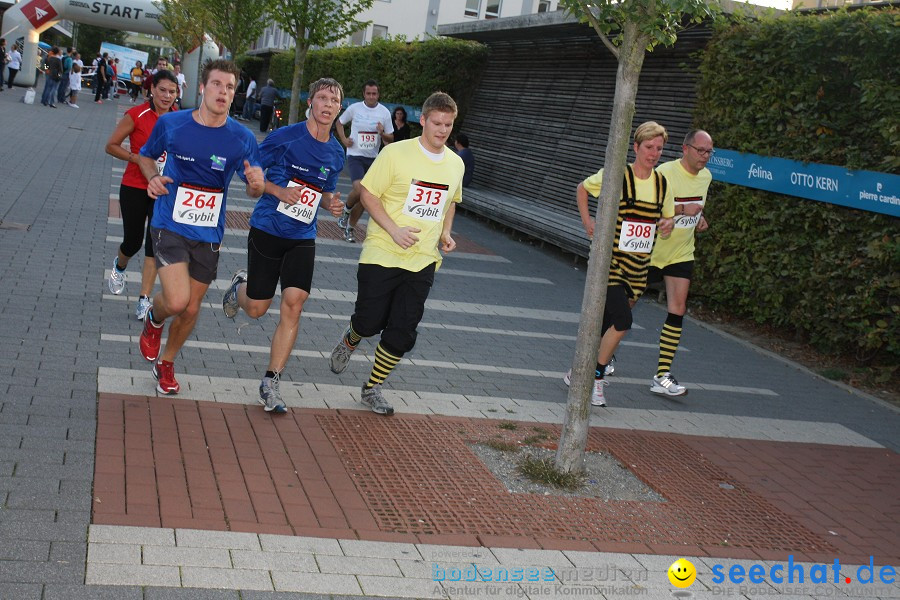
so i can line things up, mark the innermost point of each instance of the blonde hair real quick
(441, 102)
(648, 131)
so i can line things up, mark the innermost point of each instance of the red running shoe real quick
(151, 338)
(164, 374)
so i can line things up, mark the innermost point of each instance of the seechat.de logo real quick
(797, 573)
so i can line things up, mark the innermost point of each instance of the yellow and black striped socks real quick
(352, 338)
(668, 342)
(384, 364)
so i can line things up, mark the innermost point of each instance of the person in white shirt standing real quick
(370, 125)
(182, 84)
(15, 63)
(250, 100)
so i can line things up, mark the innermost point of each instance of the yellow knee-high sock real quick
(384, 364)
(668, 342)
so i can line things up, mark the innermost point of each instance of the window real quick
(544, 6)
(379, 31)
(358, 38)
(492, 11)
(473, 8)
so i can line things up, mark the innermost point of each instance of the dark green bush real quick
(821, 88)
(407, 72)
(252, 65)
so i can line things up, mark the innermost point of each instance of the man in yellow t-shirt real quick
(673, 258)
(645, 207)
(410, 192)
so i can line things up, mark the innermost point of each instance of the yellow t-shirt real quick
(415, 192)
(628, 266)
(686, 189)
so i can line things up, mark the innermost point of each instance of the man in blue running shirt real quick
(204, 149)
(303, 162)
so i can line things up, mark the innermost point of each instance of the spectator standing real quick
(267, 104)
(113, 79)
(401, 127)
(74, 85)
(250, 101)
(4, 60)
(15, 63)
(182, 85)
(52, 77)
(462, 148)
(67, 62)
(100, 77)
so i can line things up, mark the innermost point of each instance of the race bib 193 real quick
(304, 210)
(637, 236)
(198, 206)
(426, 200)
(367, 140)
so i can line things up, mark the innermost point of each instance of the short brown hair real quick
(325, 83)
(226, 66)
(648, 131)
(441, 102)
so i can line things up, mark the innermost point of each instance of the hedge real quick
(822, 88)
(407, 72)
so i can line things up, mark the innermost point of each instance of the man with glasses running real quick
(672, 260)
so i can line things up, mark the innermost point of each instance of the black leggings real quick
(137, 212)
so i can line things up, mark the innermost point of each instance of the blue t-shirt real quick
(292, 156)
(201, 161)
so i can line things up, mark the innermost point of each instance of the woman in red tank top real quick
(135, 204)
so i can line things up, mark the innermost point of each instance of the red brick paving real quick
(351, 474)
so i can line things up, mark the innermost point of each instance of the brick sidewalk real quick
(174, 463)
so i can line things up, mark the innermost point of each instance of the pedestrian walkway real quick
(110, 491)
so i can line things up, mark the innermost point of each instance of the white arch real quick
(29, 19)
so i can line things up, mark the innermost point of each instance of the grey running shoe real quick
(143, 306)
(230, 299)
(340, 356)
(666, 384)
(374, 399)
(270, 395)
(344, 219)
(116, 279)
(348, 234)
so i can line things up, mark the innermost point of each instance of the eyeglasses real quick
(702, 151)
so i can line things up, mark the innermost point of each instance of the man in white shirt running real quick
(370, 125)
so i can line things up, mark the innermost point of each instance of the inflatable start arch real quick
(30, 18)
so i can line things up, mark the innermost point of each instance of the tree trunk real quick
(299, 63)
(572, 443)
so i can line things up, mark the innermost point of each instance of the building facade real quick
(413, 19)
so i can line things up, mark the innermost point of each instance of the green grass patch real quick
(507, 425)
(502, 445)
(544, 471)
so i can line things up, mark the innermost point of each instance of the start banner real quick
(863, 190)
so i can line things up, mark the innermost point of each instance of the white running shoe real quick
(597, 398)
(666, 384)
(609, 370)
(116, 279)
(142, 308)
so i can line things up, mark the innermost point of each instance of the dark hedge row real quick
(407, 72)
(819, 88)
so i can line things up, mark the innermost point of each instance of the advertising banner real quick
(127, 57)
(863, 190)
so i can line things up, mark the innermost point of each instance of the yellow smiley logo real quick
(682, 573)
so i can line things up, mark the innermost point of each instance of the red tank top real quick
(144, 118)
